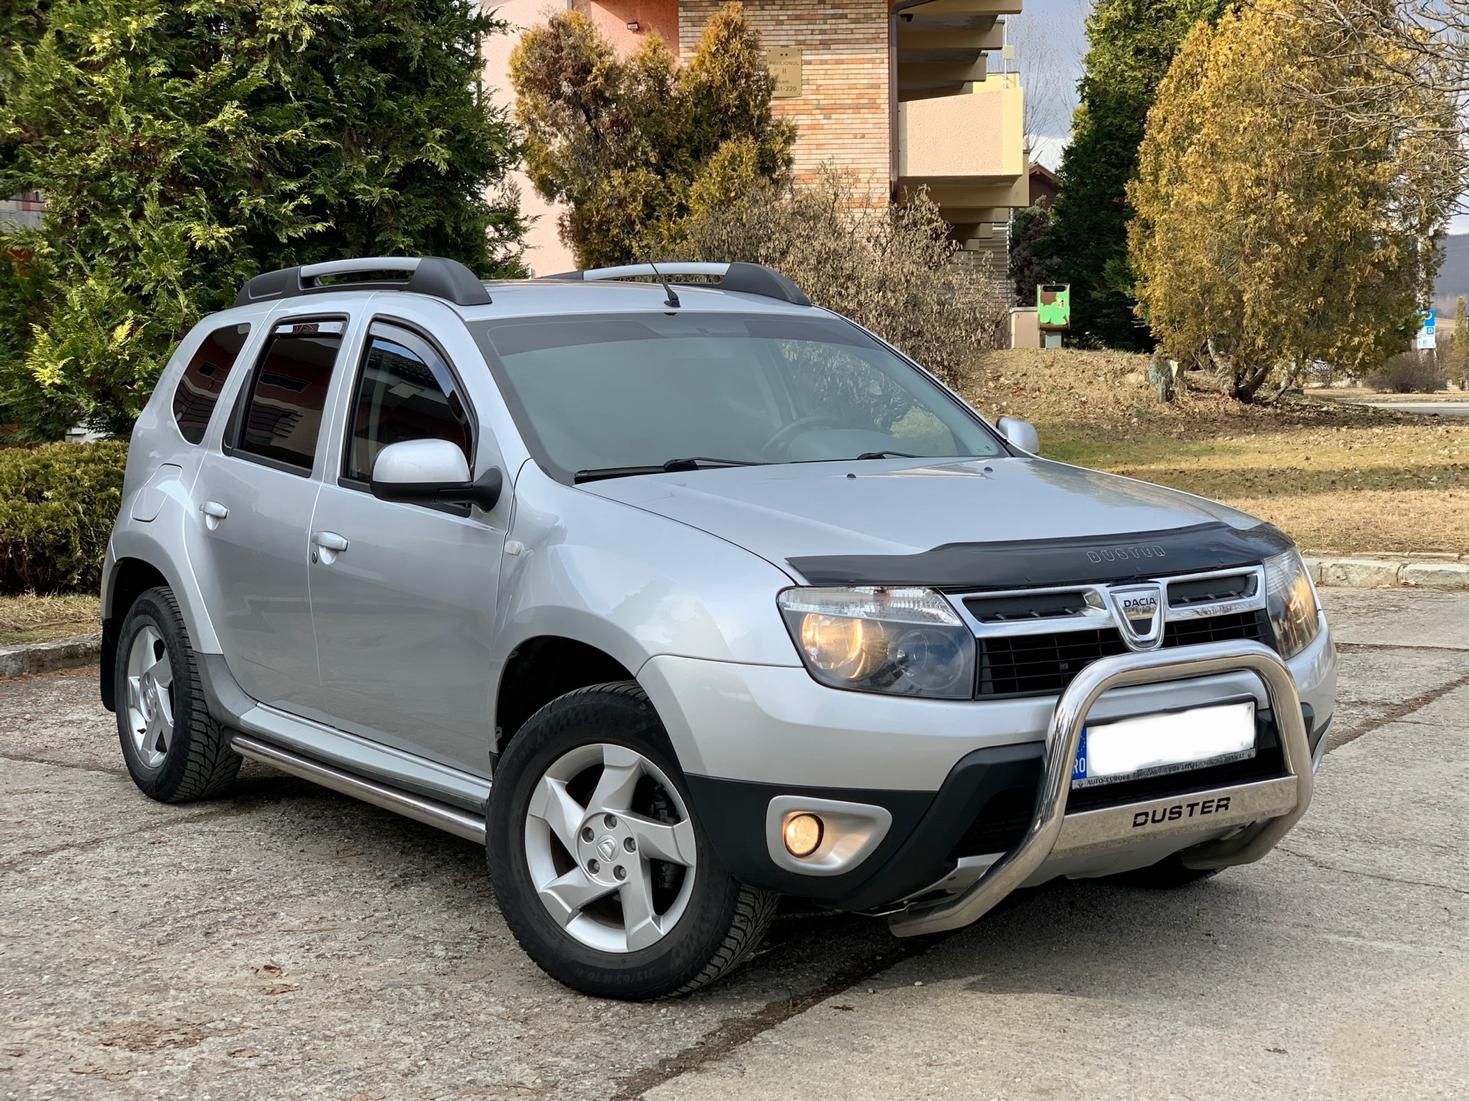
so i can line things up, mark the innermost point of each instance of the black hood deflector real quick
(976, 567)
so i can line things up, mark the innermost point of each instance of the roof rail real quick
(737, 276)
(435, 276)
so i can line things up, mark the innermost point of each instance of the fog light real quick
(802, 834)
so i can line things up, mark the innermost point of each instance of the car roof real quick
(548, 297)
(735, 286)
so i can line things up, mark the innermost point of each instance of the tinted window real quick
(599, 393)
(287, 394)
(405, 391)
(203, 379)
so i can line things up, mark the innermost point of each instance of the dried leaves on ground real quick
(1337, 477)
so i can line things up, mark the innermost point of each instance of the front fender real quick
(634, 584)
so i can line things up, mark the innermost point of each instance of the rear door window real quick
(203, 380)
(283, 410)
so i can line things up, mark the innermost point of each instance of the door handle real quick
(214, 513)
(325, 546)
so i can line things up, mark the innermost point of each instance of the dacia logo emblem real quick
(1138, 610)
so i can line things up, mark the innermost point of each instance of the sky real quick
(1049, 37)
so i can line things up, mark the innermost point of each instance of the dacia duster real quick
(680, 596)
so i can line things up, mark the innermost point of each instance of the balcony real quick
(941, 45)
(968, 150)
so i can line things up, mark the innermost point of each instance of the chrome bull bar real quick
(1266, 809)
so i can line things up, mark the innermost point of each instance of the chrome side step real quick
(430, 813)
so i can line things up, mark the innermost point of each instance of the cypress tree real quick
(183, 147)
(1132, 43)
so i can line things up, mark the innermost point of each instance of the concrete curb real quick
(1440, 572)
(46, 657)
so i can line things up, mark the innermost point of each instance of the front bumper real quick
(940, 840)
(1214, 828)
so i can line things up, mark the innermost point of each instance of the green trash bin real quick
(1053, 307)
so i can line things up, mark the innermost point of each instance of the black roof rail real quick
(436, 276)
(737, 276)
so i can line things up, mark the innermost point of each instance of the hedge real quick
(57, 505)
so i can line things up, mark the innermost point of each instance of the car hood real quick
(981, 522)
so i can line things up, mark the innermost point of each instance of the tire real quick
(599, 757)
(1168, 874)
(174, 751)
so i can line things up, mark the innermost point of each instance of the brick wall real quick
(843, 113)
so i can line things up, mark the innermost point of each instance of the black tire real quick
(1168, 874)
(198, 762)
(723, 921)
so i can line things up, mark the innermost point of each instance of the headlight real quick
(1291, 601)
(907, 642)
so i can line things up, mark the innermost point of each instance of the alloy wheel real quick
(150, 696)
(610, 848)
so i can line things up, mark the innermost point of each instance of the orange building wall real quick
(544, 252)
(652, 16)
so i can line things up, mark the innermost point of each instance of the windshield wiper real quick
(695, 462)
(672, 466)
(885, 455)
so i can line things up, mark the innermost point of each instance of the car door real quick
(253, 498)
(403, 595)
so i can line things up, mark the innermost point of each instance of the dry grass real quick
(31, 618)
(1337, 477)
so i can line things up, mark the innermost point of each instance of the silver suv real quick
(683, 596)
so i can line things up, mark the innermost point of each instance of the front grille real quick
(1043, 665)
(1210, 590)
(1010, 609)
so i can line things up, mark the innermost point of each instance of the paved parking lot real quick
(290, 943)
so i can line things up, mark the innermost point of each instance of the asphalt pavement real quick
(1421, 408)
(289, 943)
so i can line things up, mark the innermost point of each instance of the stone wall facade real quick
(843, 114)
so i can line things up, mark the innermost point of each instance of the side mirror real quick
(432, 472)
(1020, 432)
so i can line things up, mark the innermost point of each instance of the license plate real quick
(1156, 745)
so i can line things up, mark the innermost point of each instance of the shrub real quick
(1409, 373)
(57, 504)
(890, 268)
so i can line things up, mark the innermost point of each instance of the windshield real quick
(610, 395)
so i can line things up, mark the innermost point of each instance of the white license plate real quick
(1155, 745)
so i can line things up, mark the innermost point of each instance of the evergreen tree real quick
(1132, 44)
(183, 147)
(1267, 239)
(1031, 262)
(634, 146)
(1459, 365)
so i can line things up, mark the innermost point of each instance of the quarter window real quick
(288, 393)
(204, 378)
(405, 391)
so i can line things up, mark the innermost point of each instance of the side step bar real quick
(1264, 811)
(427, 811)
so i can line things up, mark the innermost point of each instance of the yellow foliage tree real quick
(1269, 236)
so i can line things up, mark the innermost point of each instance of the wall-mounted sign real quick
(786, 63)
